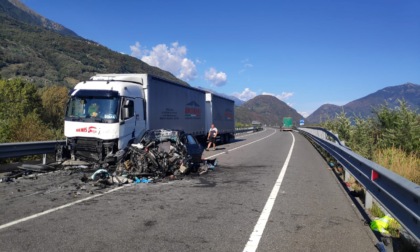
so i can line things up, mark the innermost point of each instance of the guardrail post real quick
(368, 200)
(44, 159)
(346, 175)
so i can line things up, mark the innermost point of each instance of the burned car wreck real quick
(161, 153)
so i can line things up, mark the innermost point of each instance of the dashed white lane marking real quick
(256, 235)
(98, 195)
(56, 209)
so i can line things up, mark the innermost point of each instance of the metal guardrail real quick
(10, 150)
(324, 134)
(397, 195)
(242, 130)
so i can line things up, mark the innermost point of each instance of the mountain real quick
(323, 113)
(18, 11)
(238, 102)
(364, 106)
(266, 109)
(45, 53)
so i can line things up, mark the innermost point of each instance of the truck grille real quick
(89, 145)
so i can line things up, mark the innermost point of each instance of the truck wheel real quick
(223, 139)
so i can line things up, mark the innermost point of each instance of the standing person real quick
(212, 137)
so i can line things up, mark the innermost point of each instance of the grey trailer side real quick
(221, 112)
(174, 106)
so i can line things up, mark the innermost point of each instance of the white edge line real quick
(256, 235)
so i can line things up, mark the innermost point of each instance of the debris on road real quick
(100, 174)
(160, 155)
(37, 168)
(381, 225)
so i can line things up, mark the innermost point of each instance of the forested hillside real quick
(46, 56)
(266, 109)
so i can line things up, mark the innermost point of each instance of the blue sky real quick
(305, 52)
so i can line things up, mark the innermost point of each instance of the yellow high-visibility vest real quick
(381, 225)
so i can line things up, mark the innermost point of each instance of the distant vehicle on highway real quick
(256, 125)
(287, 124)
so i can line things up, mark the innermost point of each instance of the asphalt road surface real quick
(271, 191)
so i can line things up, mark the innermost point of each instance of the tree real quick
(17, 98)
(340, 125)
(362, 139)
(19, 107)
(31, 128)
(343, 126)
(54, 99)
(398, 128)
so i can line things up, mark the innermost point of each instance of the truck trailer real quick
(109, 112)
(220, 111)
(287, 124)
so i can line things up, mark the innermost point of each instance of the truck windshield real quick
(102, 108)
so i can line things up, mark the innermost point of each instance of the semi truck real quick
(109, 112)
(287, 124)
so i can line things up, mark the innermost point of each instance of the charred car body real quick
(161, 153)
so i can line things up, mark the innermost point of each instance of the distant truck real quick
(109, 112)
(287, 124)
(256, 125)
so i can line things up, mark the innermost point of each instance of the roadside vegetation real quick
(391, 138)
(31, 113)
(45, 57)
(242, 125)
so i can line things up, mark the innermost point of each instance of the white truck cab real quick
(104, 115)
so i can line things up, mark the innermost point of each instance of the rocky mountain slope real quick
(266, 109)
(18, 11)
(364, 106)
(45, 53)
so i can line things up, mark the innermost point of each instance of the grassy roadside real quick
(398, 161)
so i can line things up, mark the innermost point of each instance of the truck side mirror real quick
(126, 113)
(128, 109)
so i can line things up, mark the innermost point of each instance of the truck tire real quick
(223, 139)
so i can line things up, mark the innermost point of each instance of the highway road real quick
(271, 191)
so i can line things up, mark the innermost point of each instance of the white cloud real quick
(248, 94)
(304, 114)
(170, 58)
(136, 50)
(245, 95)
(216, 78)
(283, 96)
